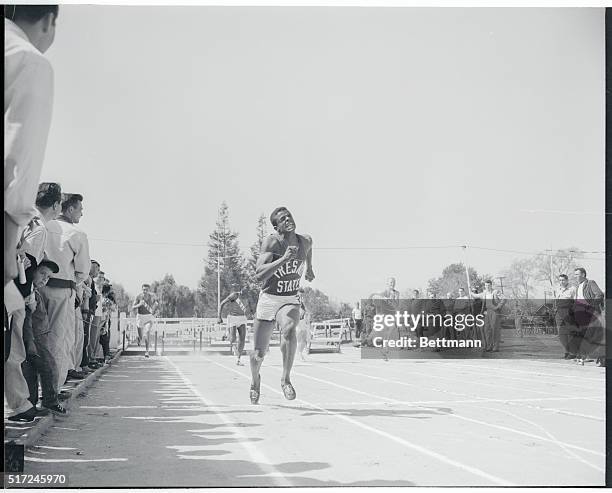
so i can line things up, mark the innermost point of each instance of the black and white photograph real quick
(294, 246)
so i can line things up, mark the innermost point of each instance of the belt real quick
(54, 282)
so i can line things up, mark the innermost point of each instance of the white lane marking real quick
(422, 450)
(484, 384)
(533, 373)
(62, 428)
(453, 415)
(258, 457)
(550, 435)
(475, 399)
(40, 459)
(54, 448)
(118, 407)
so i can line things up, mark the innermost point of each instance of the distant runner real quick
(237, 312)
(146, 304)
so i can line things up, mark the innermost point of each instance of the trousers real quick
(59, 303)
(77, 348)
(16, 392)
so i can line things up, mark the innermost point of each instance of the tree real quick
(520, 277)
(224, 253)
(319, 305)
(261, 233)
(123, 299)
(165, 291)
(254, 286)
(453, 277)
(562, 262)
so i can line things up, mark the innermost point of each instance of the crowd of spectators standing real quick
(57, 303)
(577, 316)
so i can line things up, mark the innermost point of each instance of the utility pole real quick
(467, 272)
(218, 281)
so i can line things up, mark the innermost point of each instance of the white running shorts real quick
(268, 305)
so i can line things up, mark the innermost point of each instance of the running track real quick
(187, 421)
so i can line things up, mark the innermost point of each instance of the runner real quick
(284, 257)
(146, 304)
(237, 314)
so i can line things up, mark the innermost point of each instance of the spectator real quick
(108, 304)
(68, 247)
(39, 360)
(564, 318)
(96, 308)
(88, 308)
(16, 392)
(48, 207)
(358, 320)
(492, 304)
(588, 308)
(29, 30)
(462, 307)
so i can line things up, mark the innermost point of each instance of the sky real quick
(394, 135)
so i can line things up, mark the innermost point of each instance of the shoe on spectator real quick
(58, 409)
(63, 395)
(76, 375)
(100, 360)
(146, 354)
(24, 417)
(571, 356)
(601, 362)
(42, 411)
(94, 366)
(565, 356)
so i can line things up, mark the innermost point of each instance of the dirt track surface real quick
(187, 421)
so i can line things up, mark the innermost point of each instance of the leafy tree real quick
(319, 305)
(520, 277)
(564, 261)
(453, 277)
(123, 299)
(224, 253)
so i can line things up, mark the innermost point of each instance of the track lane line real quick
(257, 456)
(442, 458)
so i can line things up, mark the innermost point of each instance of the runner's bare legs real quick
(262, 331)
(288, 318)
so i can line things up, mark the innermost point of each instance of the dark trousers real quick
(565, 326)
(104, 342)
(86, 324)
(42, 365)
(592, 330)
(358, 327)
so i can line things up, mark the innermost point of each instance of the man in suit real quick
(588, 309)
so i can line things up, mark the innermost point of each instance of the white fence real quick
(199, 332)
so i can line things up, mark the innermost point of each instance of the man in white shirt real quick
(68, 247)
(29, 30)
(48, 208)
(492, 303)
